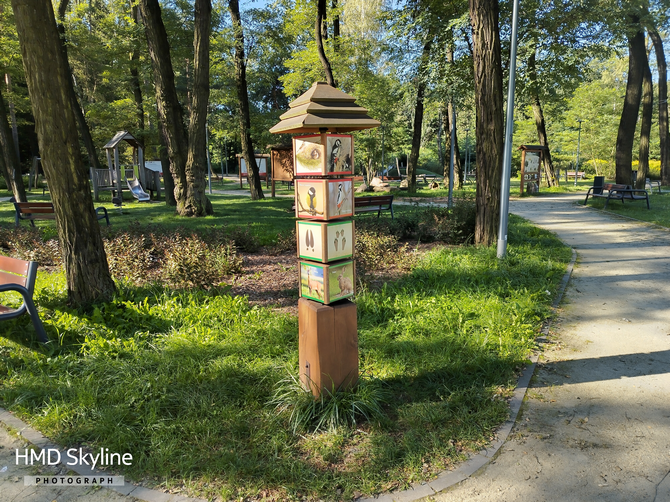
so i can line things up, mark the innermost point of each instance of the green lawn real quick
(183, 380)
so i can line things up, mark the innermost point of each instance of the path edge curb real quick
(470, 467)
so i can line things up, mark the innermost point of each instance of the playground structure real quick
(137, 177)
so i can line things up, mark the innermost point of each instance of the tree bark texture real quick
(458, 165)
(637, 59)
(84, 130)
(318, 29)
(243, 103)
(663, 133)
(86, 268)
(489, 113)
(135, 75)
(413, 159)
(336, 27)
(11, 167)
(540, 125)
(196, 202)
(170, 112)
(165, 163)
(444, 117)
(645, 125)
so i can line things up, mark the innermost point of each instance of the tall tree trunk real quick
(336, 27)
(663, 133)
(637, 57)
(196, 202)
(645, 124)
(243, 103)
(170, 112)
(84, 130)
(445, 118)
(318, 28)
(458, 165)
(86, 268)
(135, 74)
(489, 113)
(413, 159)
(540, 124)
(12, 117)
(165, 164)
(11, 167)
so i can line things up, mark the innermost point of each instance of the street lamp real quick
(579, 139)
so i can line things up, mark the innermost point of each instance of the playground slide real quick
(137, 190)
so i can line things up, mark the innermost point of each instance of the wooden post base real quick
(328, 348)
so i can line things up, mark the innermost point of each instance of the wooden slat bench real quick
(571, 174)
(371, 203)
(19, 275)
(32, 211)
(619, 192)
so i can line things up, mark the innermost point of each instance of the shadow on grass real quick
(182, 381)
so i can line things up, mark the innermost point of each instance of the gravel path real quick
(596, 421)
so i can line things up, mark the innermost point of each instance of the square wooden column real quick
(328, 345)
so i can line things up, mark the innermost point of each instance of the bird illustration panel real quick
(324, 199)
(323, 154)
(310, 155)
(339, 153)
(340, 198)
(310, 199)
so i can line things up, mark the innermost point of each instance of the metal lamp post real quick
(579, 140)
(509, 130)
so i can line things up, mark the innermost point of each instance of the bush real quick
(28, 243)
(191, 263)
(428, 224)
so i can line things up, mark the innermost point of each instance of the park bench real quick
(571, 174)
(32, 211)
(377, 203)
(651, 184)
(619, 192)
(19, 276)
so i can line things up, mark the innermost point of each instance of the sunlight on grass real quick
(185, 380)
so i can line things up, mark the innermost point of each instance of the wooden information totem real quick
(324, 197)
(323, 165)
